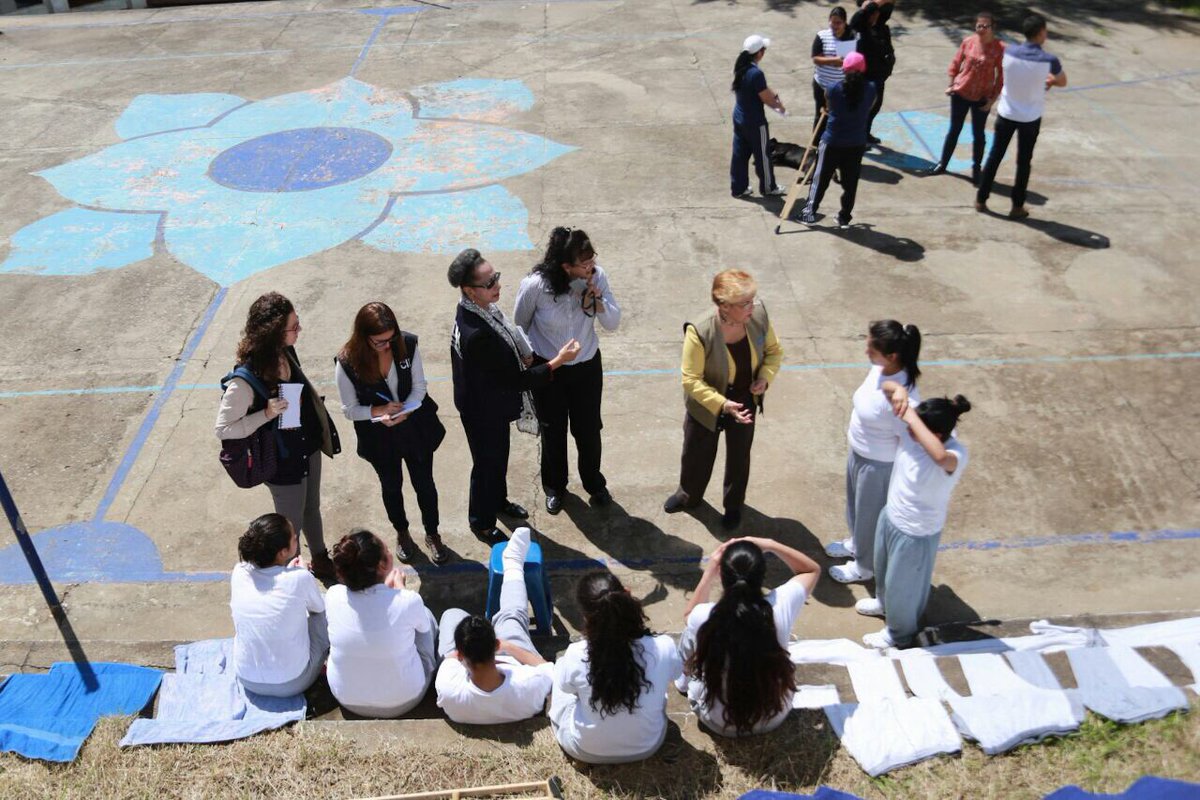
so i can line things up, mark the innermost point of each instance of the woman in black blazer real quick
(493, 377)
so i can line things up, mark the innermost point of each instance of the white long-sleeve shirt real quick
(360, 413)
(550, 322)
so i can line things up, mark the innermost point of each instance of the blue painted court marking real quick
(139, 440)
(917, 135)
(622, 373)
(366, 48)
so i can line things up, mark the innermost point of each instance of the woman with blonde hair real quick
(730, 356)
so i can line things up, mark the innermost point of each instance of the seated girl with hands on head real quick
(381, 654)
(738, 676)
(280, 639)
(491, 672)
(609, 703)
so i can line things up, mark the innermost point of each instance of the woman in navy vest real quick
(381, 381)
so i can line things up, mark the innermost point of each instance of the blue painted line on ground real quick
(917, 135)
(139, 440)
(366, 48)
(622, 373)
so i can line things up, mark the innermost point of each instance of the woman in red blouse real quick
(976, 78)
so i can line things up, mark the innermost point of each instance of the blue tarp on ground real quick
(1147, 788)
(49, 716)
(822, 793)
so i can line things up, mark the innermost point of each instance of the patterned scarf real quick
(522, 352)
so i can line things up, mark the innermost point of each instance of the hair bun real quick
(345, 553)
(960, 404)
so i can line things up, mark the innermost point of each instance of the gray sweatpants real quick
(318, 650)
(866, 495)
(511, 621)
(903, 570)
(301, 504)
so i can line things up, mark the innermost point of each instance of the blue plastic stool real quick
(537, 586)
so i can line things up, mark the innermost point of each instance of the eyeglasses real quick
(982, 26)
(492, 281)
(293, 330)
(381, 344)
(744, 304)
(587, 262)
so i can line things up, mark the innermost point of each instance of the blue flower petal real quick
(156, 113)
(445, 156)
(237, 234)
(482, 99)
(144, 175)
(79, 241)
(490, 219)
(344, 103)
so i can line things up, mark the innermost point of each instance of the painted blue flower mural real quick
(232, 187)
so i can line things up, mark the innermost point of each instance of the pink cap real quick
(854, 62)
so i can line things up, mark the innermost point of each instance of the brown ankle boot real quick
(438, 552)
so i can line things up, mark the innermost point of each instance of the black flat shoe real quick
(511, 509)
(676, 502)
(405, 547)
(731, 518)
(936, 169)
(553, 503)
(601, 498)
(489, 536)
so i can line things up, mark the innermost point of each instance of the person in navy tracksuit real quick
(750, 135)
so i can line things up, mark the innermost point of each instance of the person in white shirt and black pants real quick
(560, 300)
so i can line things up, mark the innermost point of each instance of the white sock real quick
(514, 554)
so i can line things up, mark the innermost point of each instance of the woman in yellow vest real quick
(730, 357)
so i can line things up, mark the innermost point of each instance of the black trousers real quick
(391, 484)
(848, 162)
(1027, 135)
(572, 400)
(958, 115)
(875, 109)
(700, 453)
(819, 101)
(488, 440)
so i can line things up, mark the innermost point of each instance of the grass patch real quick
(316, 763)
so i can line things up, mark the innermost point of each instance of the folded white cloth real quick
(1165, 634)
(808, 696)
(830, 651)
(886, 734)
(926, 680)
(1117, 683)
(1046, 638)
(875, 680)
(1034, 670)
(1004, 710)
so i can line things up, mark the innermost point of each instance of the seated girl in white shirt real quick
(381, 635)
(609, 703)
(490, 675)
(279, 639)
(929, 464)
(737, 672)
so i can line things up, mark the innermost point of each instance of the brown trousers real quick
(700, 453)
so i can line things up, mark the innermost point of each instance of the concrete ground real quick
(1074, 334)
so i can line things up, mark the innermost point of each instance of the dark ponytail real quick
(612, 622)
(740, 67)
(940, 414)
(891, 338)
(566, 246)
(738, 657)
(356, 559)
(265, 536)
(852, 87)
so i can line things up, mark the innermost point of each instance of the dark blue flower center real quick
(300, 160)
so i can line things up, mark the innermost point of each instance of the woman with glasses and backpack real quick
(266, 359)
(381, 382)
(561, 299)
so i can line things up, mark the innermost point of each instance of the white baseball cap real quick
(754, 43)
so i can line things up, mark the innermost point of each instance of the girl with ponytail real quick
(382, 655)
(609, 703)
(874, 436)
(751, 135)
(559, 301)
(929, 464)
(738, 675)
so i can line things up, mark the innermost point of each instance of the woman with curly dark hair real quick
(267, 350)
(609, 703)
(738, 675)
(280, 636)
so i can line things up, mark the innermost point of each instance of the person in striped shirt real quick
(829, 47)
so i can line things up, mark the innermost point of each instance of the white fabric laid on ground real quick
(830, 651)
(875, 680)
(926, 680)
(1046, 638)
(1164, 634)
(886, 734)
(1189, 654)
(807, 696)
(1117, 683)
(1034, 670)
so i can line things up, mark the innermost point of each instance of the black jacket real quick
(875, 41)
(488, 381)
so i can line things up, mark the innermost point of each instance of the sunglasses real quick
(492, 281)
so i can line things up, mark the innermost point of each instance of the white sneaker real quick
(880, 640)
(869, 607)
(778, 191)
(850, 572)
(843, 548)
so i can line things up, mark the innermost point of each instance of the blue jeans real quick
(958, 115)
